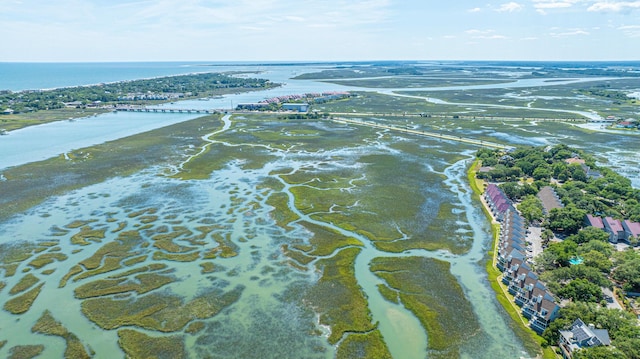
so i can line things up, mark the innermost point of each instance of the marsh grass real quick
(25, 351)
(389, 294)
(163, 312)
(139, 345)
(300, 258)
(324, 241)
(47, 258)
(30, 184)
(177, 257)
(141, 284)
(21, 120)
(22, 303)
(14, 253)
(26, 282)
(428, 289)
(281, 212)
(369, 345)
(47, 325)
(338, 297)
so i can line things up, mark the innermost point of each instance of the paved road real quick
(425, 133)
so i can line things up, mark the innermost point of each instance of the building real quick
(498, 202)
(298, 107)
(580, 336)
(253, 106)
(522, 282)
(592, 221)
(549, 199)
(541, 311)
(614, 228)
(631, 231)
(7, 112)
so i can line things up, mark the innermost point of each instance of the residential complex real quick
(537, 303)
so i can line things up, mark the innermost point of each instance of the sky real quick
(317, 30)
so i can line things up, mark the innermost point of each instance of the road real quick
(424, 133)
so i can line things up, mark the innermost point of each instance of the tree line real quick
(181, 86)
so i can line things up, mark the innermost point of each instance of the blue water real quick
(33, 76)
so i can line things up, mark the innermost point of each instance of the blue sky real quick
(310, 30)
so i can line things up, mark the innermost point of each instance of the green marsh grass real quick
(48, 325)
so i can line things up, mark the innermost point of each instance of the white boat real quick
(3, 132)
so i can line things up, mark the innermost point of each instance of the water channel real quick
(232, 200)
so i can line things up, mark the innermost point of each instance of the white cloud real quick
(484, 34)
(617, 6)
(542, 6)
(475, 9)
(510, 7)
(572, 32)
(552, 5)
(630, 30)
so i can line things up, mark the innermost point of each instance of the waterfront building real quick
(522, 282)
(252, 106)
(298, 107)
(580, 336)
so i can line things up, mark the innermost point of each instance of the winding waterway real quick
(232, 206)
(48, 140)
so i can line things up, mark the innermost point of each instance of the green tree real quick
(627, 270)
(600, 352)
(603, 247)
(542, 173)
(531, 209)
(581, 290)
(597, 260)
(589, 234)
(568, 219)
(629, 346)
(563, 251)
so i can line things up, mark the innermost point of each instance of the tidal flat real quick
(246, 229)
(260, 235)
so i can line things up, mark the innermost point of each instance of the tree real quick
(546, 261)
(628, 270)
(568, 219)
(581, 290)
(589, 234)
(542, 173)
(629, 346)
(577, 172)
(563, 251)
(600, 352)
(597, 260)
(603, 247)
(531, 209)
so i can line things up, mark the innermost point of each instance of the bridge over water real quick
(166, 110)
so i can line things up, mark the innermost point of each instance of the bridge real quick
(164, 110)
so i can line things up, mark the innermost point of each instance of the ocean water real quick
(34, 76)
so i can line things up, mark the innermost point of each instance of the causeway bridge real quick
(165, 110)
